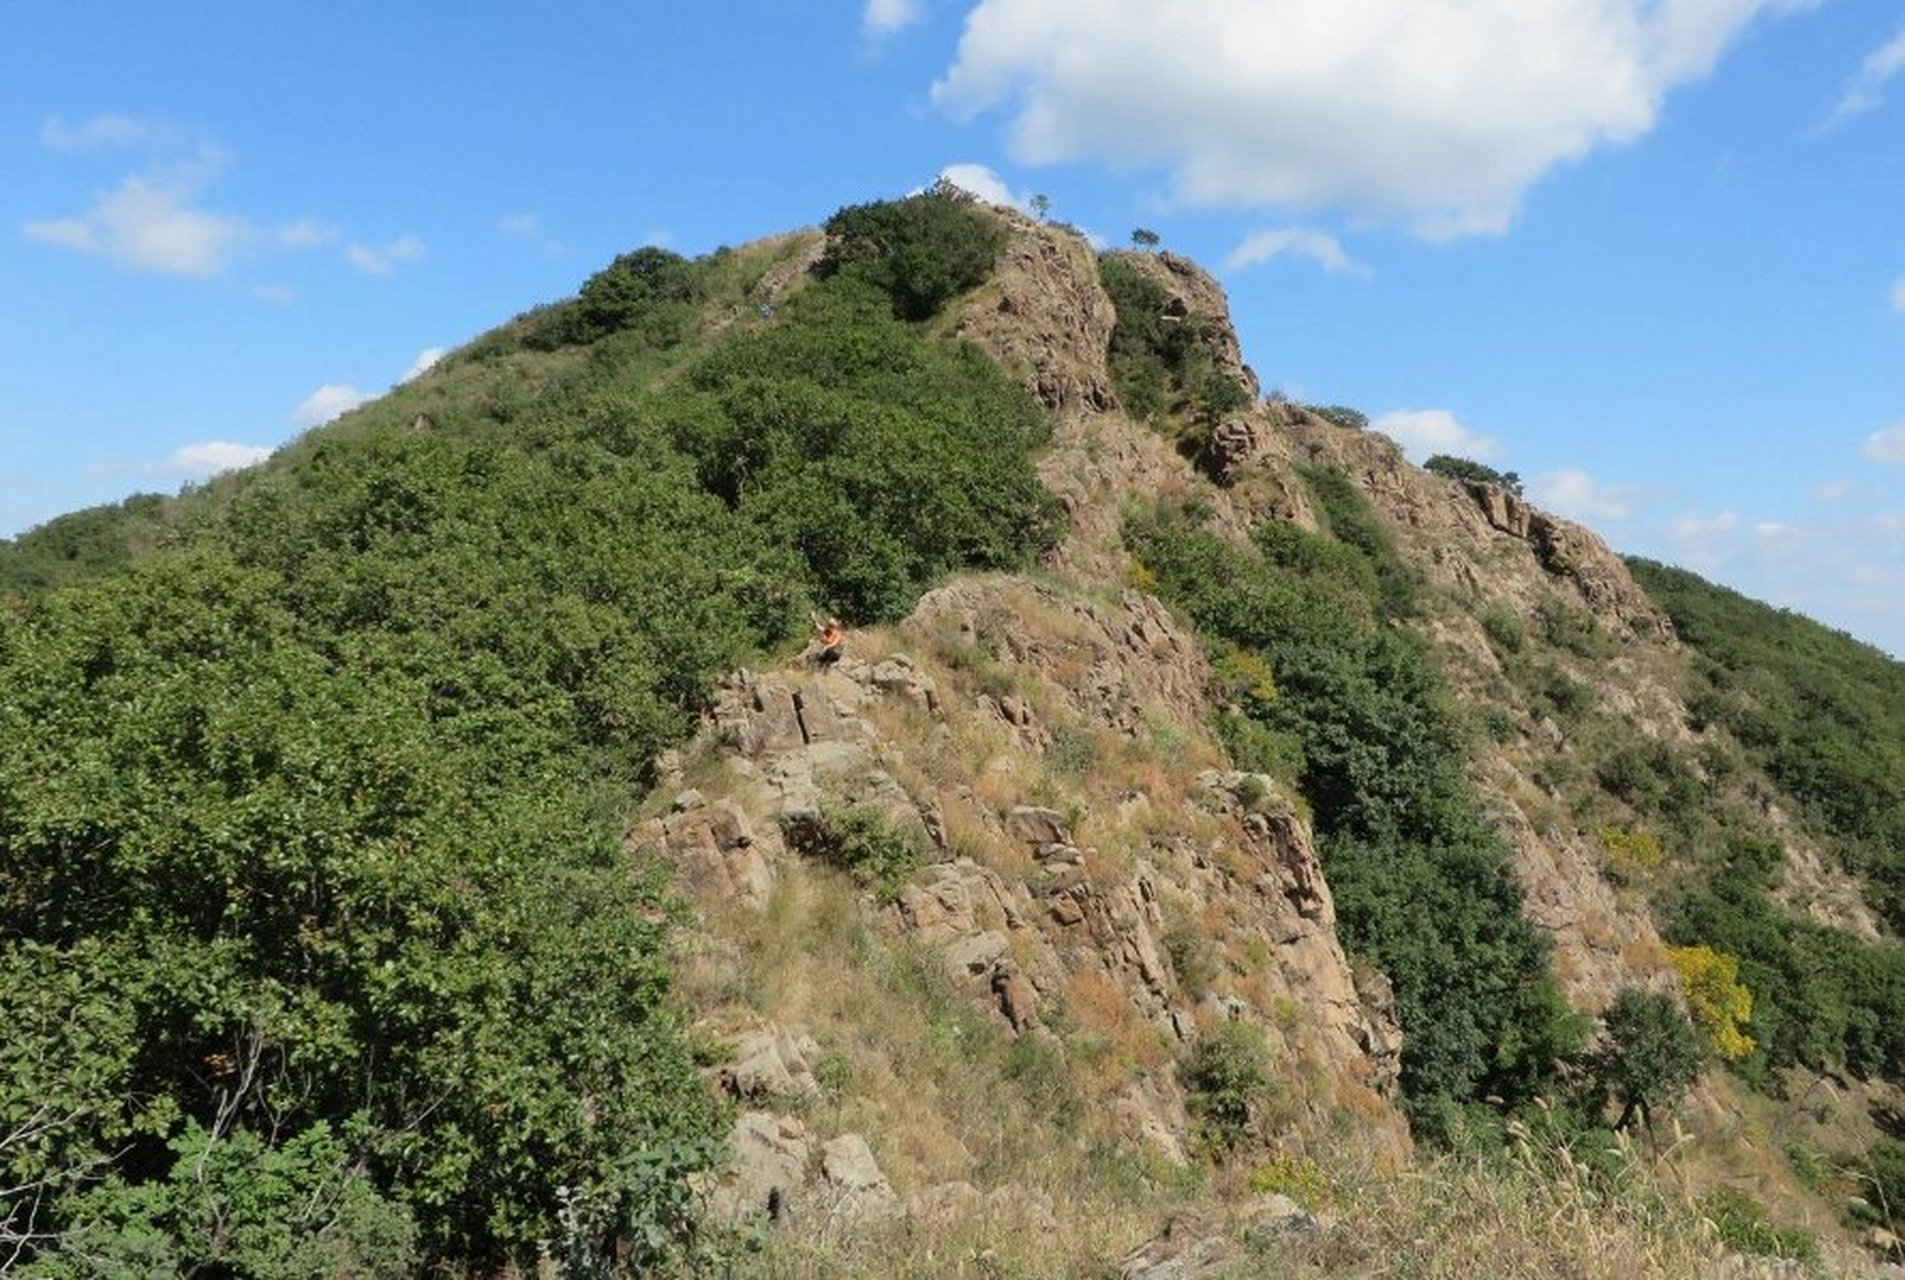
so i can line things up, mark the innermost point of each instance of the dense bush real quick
(318, 950)
(1820, 996)
(1341, 415)
(85, 544)
(1467, 469)
(864, 843)
(1649, 1057)
(1226, 1078)
(650, 287)
(921, 252)
(1422, 886)
(1161, 363)
(1823, 714)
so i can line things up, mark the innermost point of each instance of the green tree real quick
(1467, 469)
(1145, 238)
(1650, 1056)
(921, 252)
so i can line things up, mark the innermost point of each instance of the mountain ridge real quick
(1022, 928)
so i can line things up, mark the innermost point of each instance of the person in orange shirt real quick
(833, 638)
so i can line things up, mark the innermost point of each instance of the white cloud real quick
(1573, 493)
(152, 221)
(278, 295)
(980, 181)
(1867, 88)
(97, 133)
(520, 224)
(426, 360)
(1324, 250)
(884, 17)
(215, 456)
(329, 401)
(1898, 294)
(1886, 446)
(1705, 545)
(381, 260)
(305, 233)
(1833, 490)
(148, 223)
(1690, 528)
(1435, 114)
(1423, 433)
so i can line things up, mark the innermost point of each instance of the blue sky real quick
(1647, 253)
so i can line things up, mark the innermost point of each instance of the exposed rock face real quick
(1044, 318)
(1031, 913)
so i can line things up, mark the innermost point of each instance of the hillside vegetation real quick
(423, 853)
(317, 951)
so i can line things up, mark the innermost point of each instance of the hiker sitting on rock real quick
(833, 638)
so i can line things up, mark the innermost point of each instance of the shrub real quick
(921, 252)
(1342, 416)
(1504, 627)
(1649, 1057)
(865, 843)
(1162, 364)
(1466, 469)
(1422, 886)
(1629, 855)
(1743, 1226)
(1227, 1077)
(650, 286)
(1721, 1005)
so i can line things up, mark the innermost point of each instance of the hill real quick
(432, 850)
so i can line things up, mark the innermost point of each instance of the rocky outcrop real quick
(1213, 904)
(1194, 297)
(1043, 317)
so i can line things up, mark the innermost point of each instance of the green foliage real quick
(1651, 776)
(650, 288)
(1227, 1079)
(1162, 363)
(1422, 885)
(1354, 522)
(1559, 694)
(921, 252)
(1821, 713)
(1574, 630)
(86, 544)
(1821, 997)
(314, 920)
(1504, 627)
(1650, 1056)
(1466, 469)
(863, 842)
(883, 460)
(1145, 238)
(1743, 1226)
(1341, 415)
(1881, 1174)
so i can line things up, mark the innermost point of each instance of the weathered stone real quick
(769, 1169)
(976, 953)
(771, 1061)
(860, 1190)
(1035, 827)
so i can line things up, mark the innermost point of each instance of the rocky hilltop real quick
(1098, 890)
(1217, 847)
